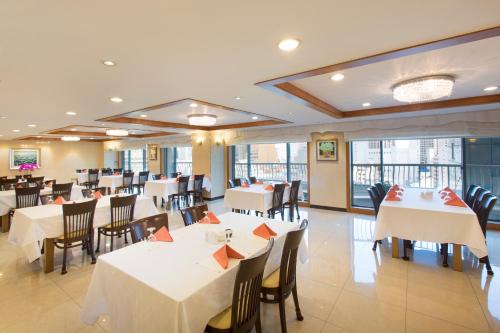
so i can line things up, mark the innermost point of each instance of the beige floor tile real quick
(271, 321)
(323, 271)
(357, 313)
(419, 323)
(329, 328)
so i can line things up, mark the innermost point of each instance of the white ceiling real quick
(51, 51)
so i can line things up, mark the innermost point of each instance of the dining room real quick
(272, 167)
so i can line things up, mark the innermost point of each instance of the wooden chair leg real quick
(297, 209)
(282, 314)
(112, 239)
(444, 249)
(65, 254)
(488, 265)
(296, 301)
(98, 241)
(126, 240)
(374, 248)
(258, 324)
(91, 247)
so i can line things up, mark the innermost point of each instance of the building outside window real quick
(134, 160)
(178, 159)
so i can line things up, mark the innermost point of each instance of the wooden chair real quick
(253, 180)
(237, 182)
(38, 181)
(230, 183)
(119, 170)
(191, 215)
(93, 179)
(481, 192)
(279, 191)
(174, 174)
(78, 229)
(46, 199)
(182, 190)
(157, 176)
(293, 200)
(128, 179)
(244, 313)
(469, 195)
(122, 213)
(143, 178)
(63, 190)
(139, 228)
(27, 197)
(197, 191)
(283, 281)
(376, 201)
(8, 184)
(87, 193)
(381, 190)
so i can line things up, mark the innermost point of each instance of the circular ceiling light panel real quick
(116, 132)
(202, 119)
(423, 89)
(116, 99)
(109, 63)
(288, 45)
(337, 77)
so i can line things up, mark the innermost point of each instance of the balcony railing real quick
(186, 168)
(408, 175)
(274, 172)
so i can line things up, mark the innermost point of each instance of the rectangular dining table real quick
(31, 226)
(113, 181)
(163, 188)
(178, 286)
(255, 197)
(430, 220)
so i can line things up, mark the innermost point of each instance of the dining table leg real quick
(49, 255)
(395, 247)
(5, 223)
(457, 257)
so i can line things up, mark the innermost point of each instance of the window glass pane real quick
(240, 161)
(184, 160)
(268, 161)
(136, 160)
(365, 170)
(298, 166)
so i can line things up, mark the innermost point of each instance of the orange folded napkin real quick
(192, 178)
(259, 182)
(59, 201)
(223, 254)
(456, 201)
(269, 188)
(213, 219)
(116, 173)
(446, 189)
(97, 195)
(397, 188)
(162, 235)
(444, 194)
(245, 184)
(264, 231)
(394, 198)
(163, 177)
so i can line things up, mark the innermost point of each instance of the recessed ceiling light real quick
(490, 88)
(73, 129)
(237, 98)
(31, 125)
(38, 136)
(70, 138)
(16, 130)
(289, 44)
(91, 138)
(1, 134)
(193, 105)
(109, 63)
(255, 117)
(144, 115)
(116, 132)
(337, 77)
(3, 117)
(116, 99)
(71, 113)
(366, 104)
(202, 119)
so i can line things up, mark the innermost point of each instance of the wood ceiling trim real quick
(52, 139)
(100, 134)
(283, 86)
(459, 102)
(248, 124)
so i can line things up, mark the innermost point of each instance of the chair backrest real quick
(190, 215)
(106, 172)
(86, 193)
(469, 195)
(93, 175)
(374, 196)
(246, 293)
(183, 185)
(143, 177)
(279, 191)
(198, 183)
(3, 178)
(288, 266)
(478, 197)
(78, 220)
(119, 170)
(46, 199)
(294, 192)
(122, 211)
(253, 180)
(486, 206)
(128, 178)
(27, 197)
(156, 176)
(230, 183)
(63, 190)
(200, 210)
(139, 228)
(237, 182)
(8, 184)
(174, 174)
(381, 190)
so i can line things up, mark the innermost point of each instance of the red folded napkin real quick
(244, 184)
(269, 188)
(446, 189)
(394, 198)
(456, 201)
(116, 173)
(223, 254)
(97, 195)
(259, 182)
(162, 235)
(397, 188)
(213, 219)
(59, 201)
(264, 231)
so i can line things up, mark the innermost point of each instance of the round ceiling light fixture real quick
(202, 119)
(109, 63)
(289, 44)
(423, 89)
(116, 99)
(116, 132)
(70, 138)
(337, 77)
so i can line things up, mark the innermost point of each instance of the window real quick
(178, 159)
(420, 163)
(271, 162)
(134, 160)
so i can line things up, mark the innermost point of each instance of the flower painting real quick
(24, 158)
(326, 150)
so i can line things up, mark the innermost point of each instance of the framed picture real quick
(20, 156)
(153, 152)
(326, 150)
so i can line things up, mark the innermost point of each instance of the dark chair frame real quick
(141, 182)
(293, 200)
(63, 190)
(139, 228)
(277, 203)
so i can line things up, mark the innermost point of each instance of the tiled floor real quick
(344, 287)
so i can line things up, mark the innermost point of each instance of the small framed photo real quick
(153, 152)
(24, 156)
(326, 150)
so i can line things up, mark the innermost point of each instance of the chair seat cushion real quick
(273, 280)
(222, 320)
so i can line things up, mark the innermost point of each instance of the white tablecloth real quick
(165, 187)
(8, 198)
(116, 181)
(430, 220)
(84, 176)
(175, 287)
(31, 225)
(255, 197)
